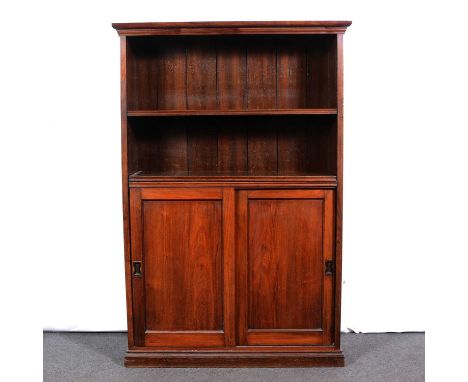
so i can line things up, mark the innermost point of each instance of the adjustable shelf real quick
(228, 177)
(168, 113)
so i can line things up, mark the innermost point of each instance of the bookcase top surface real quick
(230, 27)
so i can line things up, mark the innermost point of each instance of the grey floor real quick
(99, 357)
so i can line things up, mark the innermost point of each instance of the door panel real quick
(177, 235)
(285, 238)
(284, 263)
(183, 278)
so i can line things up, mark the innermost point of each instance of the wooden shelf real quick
(188, 113)
(317, 180)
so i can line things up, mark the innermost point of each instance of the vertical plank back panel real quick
(292, 149)
(321, 146)
(143, 75)
(172, 76)
(171, 152)
(161, 144)
(321, 73)
(201, 75)
(261, 75)
(262, 147)
(202, 138)
(231, 69)
(292, 69)
(232, 147)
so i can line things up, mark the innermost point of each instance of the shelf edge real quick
(188, 113)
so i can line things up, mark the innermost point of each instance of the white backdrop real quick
(61, 153)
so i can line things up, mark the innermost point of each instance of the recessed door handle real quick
(329, 267)
(137, 268)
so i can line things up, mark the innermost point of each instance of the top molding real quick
(231, 28)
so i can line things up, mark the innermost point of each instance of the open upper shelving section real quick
(215, 75)
(232, 102)
(232, 146)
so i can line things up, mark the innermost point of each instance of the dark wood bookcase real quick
(232, 147)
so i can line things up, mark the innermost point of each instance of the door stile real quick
(241, 267)
(328, 281)
(138, 281)
(229, 248)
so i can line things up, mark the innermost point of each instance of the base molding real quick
(231, 359)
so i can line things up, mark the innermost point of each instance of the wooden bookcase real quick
(232, 192)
